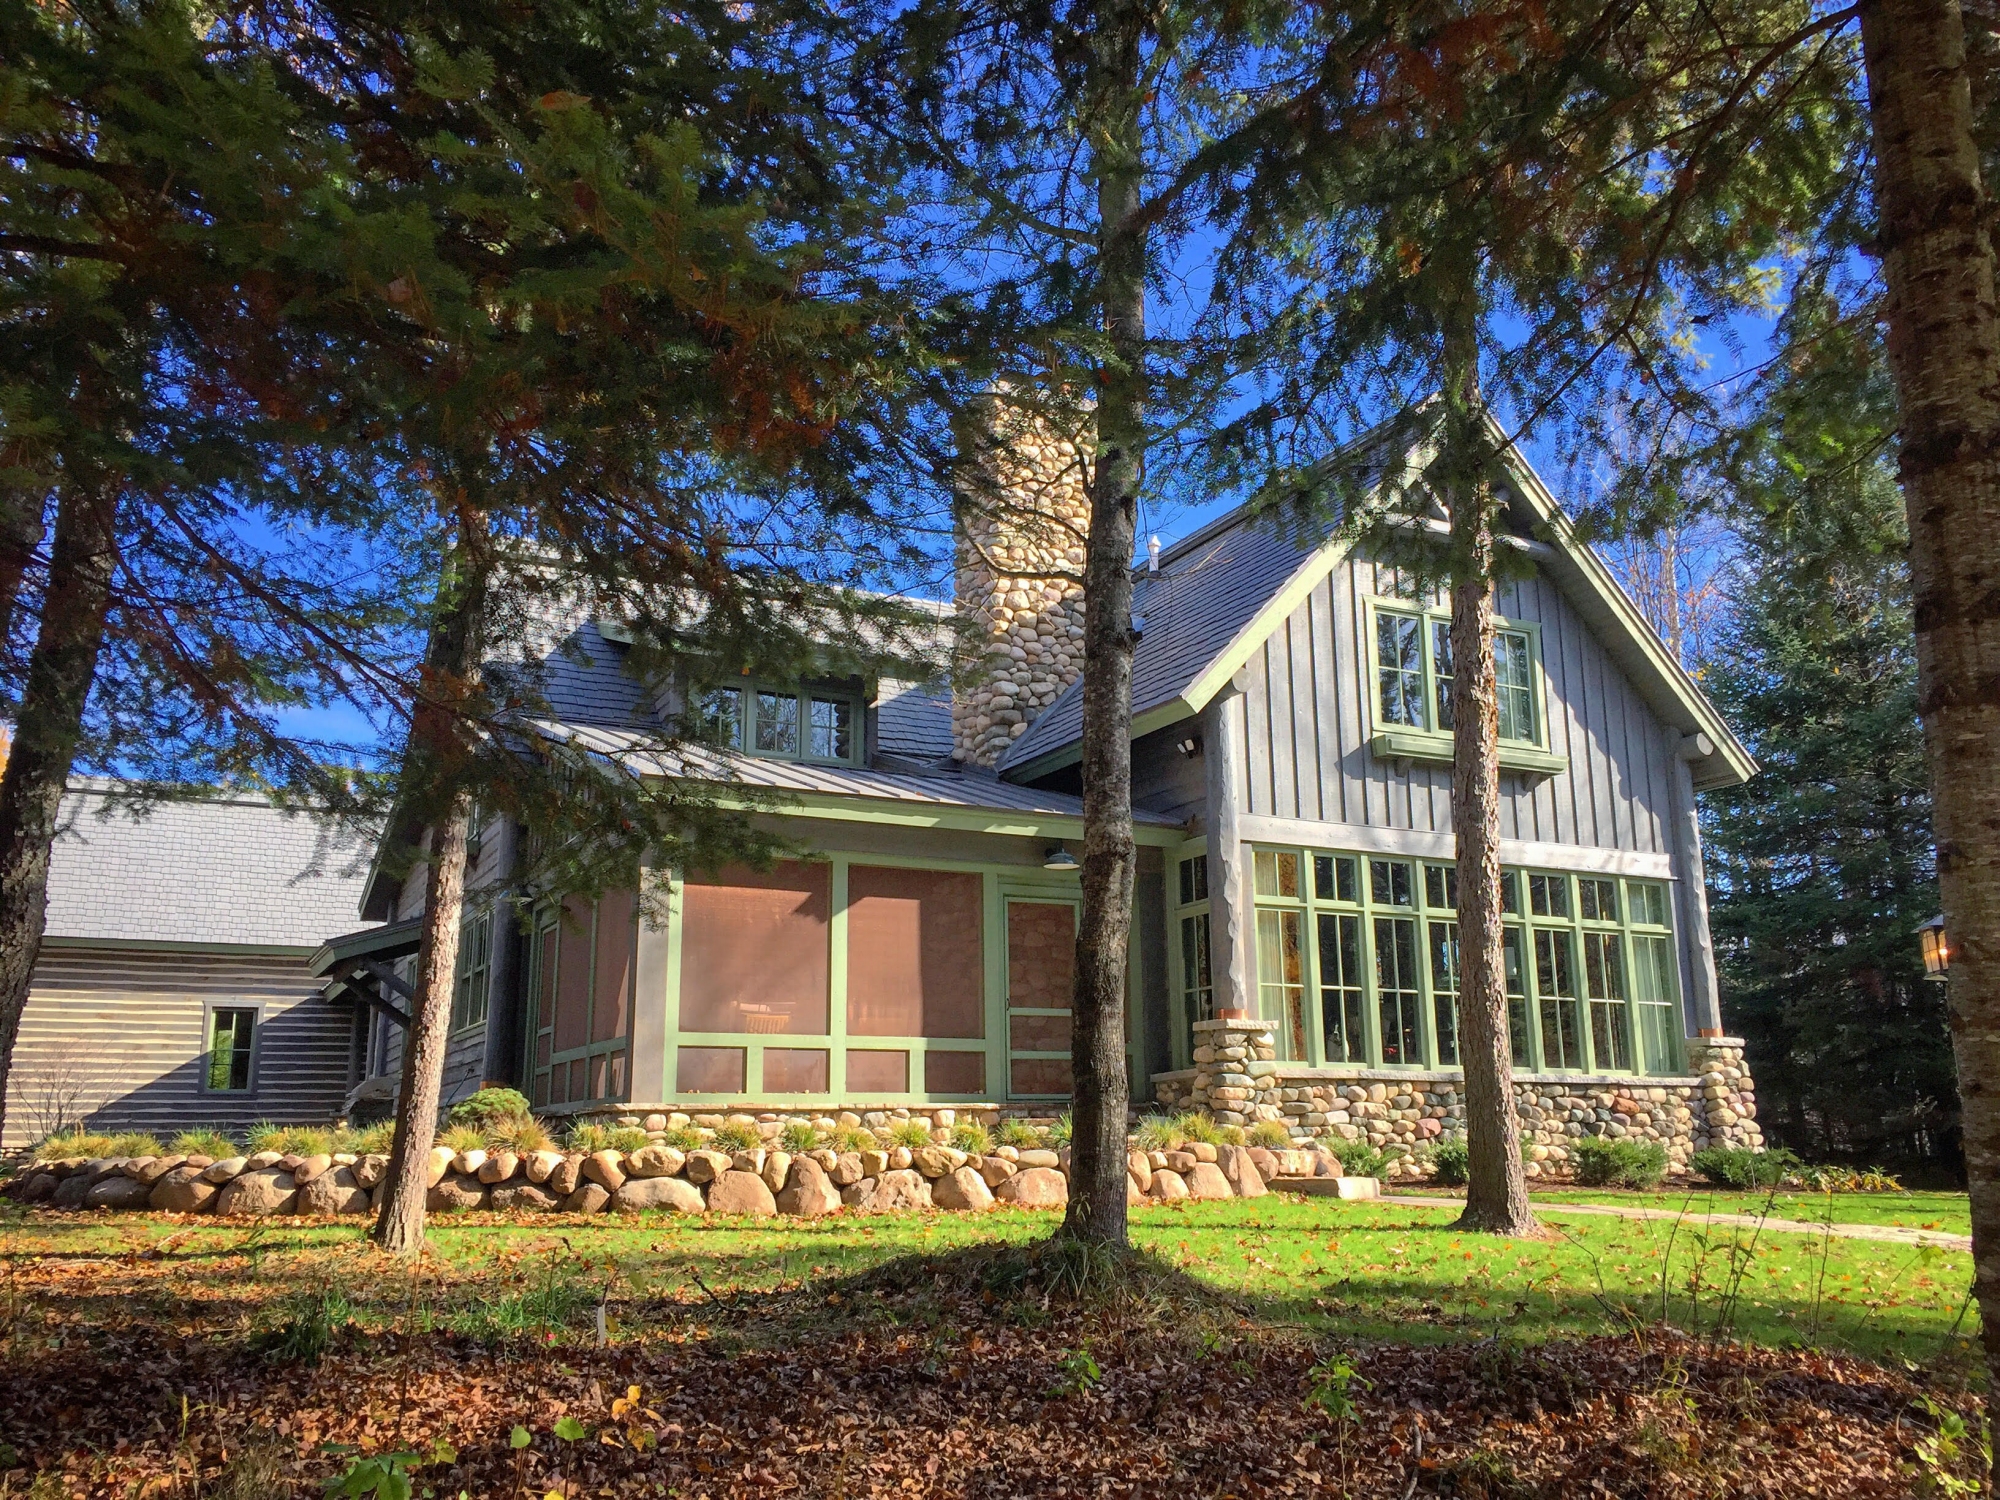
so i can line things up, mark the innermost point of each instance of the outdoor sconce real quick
(1190, 747)
(1060, 858)
(1937, 949)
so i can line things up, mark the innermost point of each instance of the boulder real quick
(589, 1198)
(825, 1157)
(500, 1166)
(900, 1158)
(467, 1163)
(457, 1195)
(1265, 1158)
(441, 1159)
(606, 1169)
(846, 1169)
(874, 1163)
(1207, 1181)
(1040, 1159)
(739, 1192)
(932, 1161)
(334, 1192)
(1132, 1194)
(961, 1189)
(183, 1191)
(257, 1161)
(747, 1161)
(567, 1176)
(1181, 1162)
(260, 1190)
(705, 1166)
(71, 1191)
(1167, 1186)
(308, 1168)
(522, 1198)
(1204, 1150)
(370, 1169)
(995, 1170)
(1140, 1169)
(674, 1194)
(1326, 1164)
(652, 1161)
(542, 1166)
(1034, 1187)
(1239, 1170)
(226, 1170)
(117, 1191)
(892, 1192)
(133, 1166)
(39, 1188)
(808, 1191)
(777, 1167)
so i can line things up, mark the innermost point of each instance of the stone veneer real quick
(1022, 518)
(1238, 1080)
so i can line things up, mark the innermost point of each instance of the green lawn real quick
(1373, 1271)
(1949, 1212)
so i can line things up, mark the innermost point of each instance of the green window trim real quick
(1373, 979)
(819, 725)
(1191, 947)
(1407, 648)
(229, 1048)
(470, 992)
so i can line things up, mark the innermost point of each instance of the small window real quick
(1515, 684)
(777, 724)
(1441, 887)
(232, 1040)
(1336, 878)
(1441, 671)
(1277, 873)
(475, 954)
(1194, 880)
(1400, 669)
(1597, 899)
(1649, 903)
(1510, 899)
(722, 716)
(832, 729)
(1389, 883)
(1548, 895)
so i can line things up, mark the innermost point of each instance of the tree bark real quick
(1098, 1069)
(53, 697)
(1943, 342)
(1496, 1197)
(20, 533)
(437, 767)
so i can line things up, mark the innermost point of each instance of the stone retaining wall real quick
(1238, 1080)
(760, 1181)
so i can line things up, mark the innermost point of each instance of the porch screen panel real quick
(709, 1070)
(572, 1008)
(1041, 955)
(754, 950)
(954, 1072)
(546, 941)
(915, 953)
(872, 1071)
(617, 934)
(795, 1070)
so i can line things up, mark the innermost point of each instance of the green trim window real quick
(475, 966)
(1197, 966)
(1591, 971)
(232, 1047)
(1411, 703)
(787, 723)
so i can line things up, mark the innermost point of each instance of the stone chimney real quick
(1022, 516)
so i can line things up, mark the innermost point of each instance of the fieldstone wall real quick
(1237, 1080)
(1022, 517)
(760, 1181)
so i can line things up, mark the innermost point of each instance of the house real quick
(172, 990)
(1292, 771)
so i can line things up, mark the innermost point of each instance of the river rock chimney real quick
(1022, 516)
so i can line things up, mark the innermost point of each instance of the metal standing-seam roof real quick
(231, 870)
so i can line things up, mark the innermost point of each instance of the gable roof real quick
(226, 871)
(1223, 591)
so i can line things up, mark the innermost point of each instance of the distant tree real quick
(1822, 867)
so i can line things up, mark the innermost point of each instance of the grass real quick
(1950, 1213)
(1325, 1268)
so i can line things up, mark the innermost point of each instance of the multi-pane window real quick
(1414, 671)
(1589, 964)
(1197, 965)
(475, 957)
(784, 722)
(232, 1038)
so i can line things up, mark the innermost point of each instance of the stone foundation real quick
(1237, 1080)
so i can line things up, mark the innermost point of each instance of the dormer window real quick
(785, 723)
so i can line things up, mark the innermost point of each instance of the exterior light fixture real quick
(1060, 858)
(1937, 949)
(1190, 747)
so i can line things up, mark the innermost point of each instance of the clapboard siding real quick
(127, 1027)
(1306, 725)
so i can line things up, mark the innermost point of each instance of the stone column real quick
(1022, 517)
(1726, 1111)
(1704, 1008)
(1232, 957)
(1227, 1058)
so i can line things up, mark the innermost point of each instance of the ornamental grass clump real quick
(1061, 1131)
(209, 1143)
(683, 1138)
(733, 1135)
(851, 1138)
(587, 1136)
(799, 1137)
(1271, 1134)
(916, 1134)
(1019, 1134)
(265, 1135)
(1198, 1129)
(371, 1140)
(971, 1137)
(462, 1138)
(1357, 1158)
(627, 1139)
(523, 1135)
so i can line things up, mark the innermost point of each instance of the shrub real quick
(308, 1324)
(462, 1138)
(1451, 1161)
(915, 1134)
(971, 1137)
(1230, 1135)
(202, 1143)
(1828, 1179)
(1734, 1167)
(735, 1136)
(1019, 1134)
(799, 1137)
(523, 1136)
(1271, 1133)
(1199, 1129)
(1062, 1130)
(1357, 1158)
(851, 1138)
(488, 1107)
(1158, 1133)
(1604, 1162)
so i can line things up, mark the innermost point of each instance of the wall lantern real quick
(1190, 747)
(1937, 948)
(1060, 858)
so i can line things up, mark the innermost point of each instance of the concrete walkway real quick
(1893, 1234)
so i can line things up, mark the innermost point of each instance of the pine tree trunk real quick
(1097, 1144)
(50, 724)
(1496, 1198)
(20, 534)
(1943, 340)
(437, 777)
